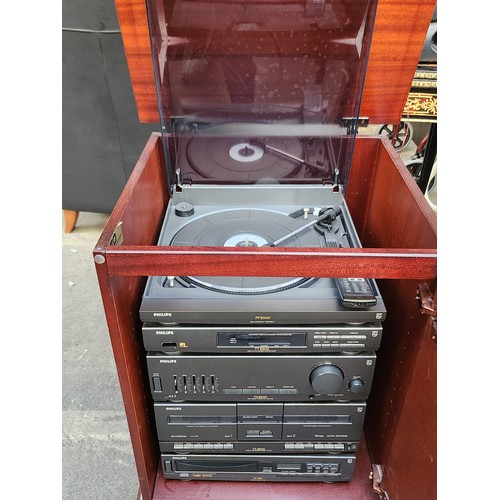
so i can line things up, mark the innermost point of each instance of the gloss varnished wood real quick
(138, 213)
(399, 33)
(209, 261)
(132, 17)
(384, 200)
(398, 37)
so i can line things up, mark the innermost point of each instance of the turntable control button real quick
(356, 385)
(184, 209)
(327, 379)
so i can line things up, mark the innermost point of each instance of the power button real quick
(157, 384)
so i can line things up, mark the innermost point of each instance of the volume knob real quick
(356, 385)
(326, 379)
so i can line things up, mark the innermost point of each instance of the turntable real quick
(211, 216)
(259, 143)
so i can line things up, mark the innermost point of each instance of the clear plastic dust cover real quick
(259, 91)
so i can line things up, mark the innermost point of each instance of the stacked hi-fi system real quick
(260, 379)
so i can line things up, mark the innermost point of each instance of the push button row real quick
(255, 433)
(339, 346)
(261, 391)
(203, 446)
(339, 337)
(322, 468)
(317, 446)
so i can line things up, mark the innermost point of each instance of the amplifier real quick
(337, 377)
(310, 468)
(259, 427)
(274, 339)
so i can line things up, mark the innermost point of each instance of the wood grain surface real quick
(399, 33)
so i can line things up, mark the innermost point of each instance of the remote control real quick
(356, 292)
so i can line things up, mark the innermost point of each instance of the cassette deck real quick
(259, 427)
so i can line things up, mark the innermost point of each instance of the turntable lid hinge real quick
(352, 123)
(336, 184)
(180, 181)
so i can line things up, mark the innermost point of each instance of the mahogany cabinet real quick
(397, 228)
(398, 231)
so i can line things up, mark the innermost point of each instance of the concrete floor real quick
(97, 459)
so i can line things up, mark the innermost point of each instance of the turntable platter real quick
(240, 160)
(245, 228)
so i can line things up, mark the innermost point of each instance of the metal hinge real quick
(376, 477)
(426, 299)
(428, 306)
(353, 123)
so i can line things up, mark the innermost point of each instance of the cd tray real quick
(310, 468)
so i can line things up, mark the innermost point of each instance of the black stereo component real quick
(259, 427)
(329, 468)
(337, 377)
(233, 217)
(274, 447)
(273, 339)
